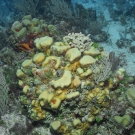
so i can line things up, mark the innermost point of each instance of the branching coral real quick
(78, 40)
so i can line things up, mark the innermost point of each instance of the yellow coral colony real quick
(45, 89)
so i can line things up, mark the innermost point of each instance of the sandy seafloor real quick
(115, 28)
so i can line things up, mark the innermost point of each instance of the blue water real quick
(9, 12)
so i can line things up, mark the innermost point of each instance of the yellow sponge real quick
(38, 58)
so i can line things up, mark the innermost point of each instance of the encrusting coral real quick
(58, 79)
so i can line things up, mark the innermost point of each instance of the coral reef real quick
(55, 77)
(61, 86)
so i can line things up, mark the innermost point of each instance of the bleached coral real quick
(78, 40)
